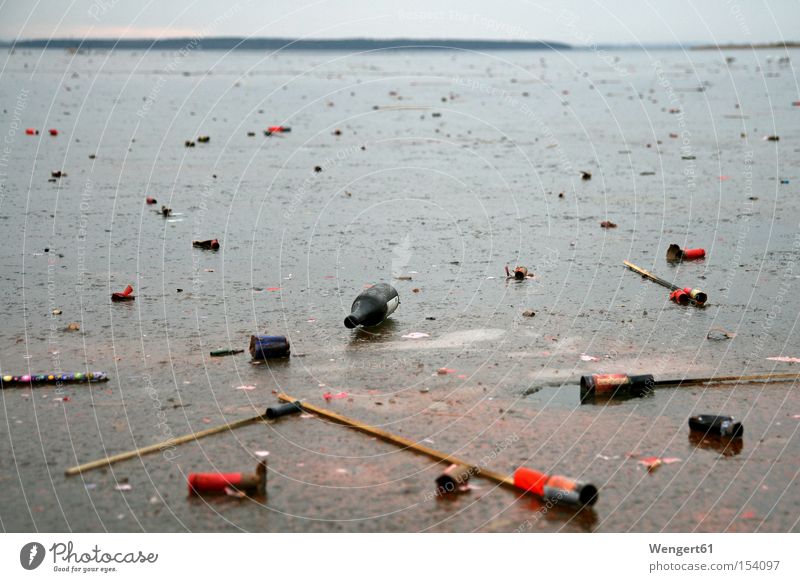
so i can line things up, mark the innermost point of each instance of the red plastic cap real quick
(150, 200)
(214, 244)
(530, 480)
(53, 132)
(689, 254)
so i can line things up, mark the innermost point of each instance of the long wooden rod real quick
(401, 441)
(649, 275)
(163, 445)
(743, 378)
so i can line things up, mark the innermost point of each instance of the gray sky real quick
(572, 21)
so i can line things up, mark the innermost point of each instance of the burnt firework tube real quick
(266, 347)
(676, 253)
(218, 483)
(615, 385)
(711, 424)
(72, 378)
(679, 296)
(283, 410)
(555, 488)
(696, 294)
(454, 477)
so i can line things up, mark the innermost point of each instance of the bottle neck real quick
(361, 309)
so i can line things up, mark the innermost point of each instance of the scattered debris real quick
(529, 313)
(415, 335)
(586, 175)
(211, 244)
(220, 483)
(225, 352)
(373, 306)
(265, 347)
(653, 463)
(125, 295)
(719, 334)
(166, 210)
(711, 424)
(676, 253)
(338, 396)
(608, 224)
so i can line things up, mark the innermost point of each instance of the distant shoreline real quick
(739, 47)
(273, 44)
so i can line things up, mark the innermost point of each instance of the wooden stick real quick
(750, 378)
(163, 445)
(649, 275)
(671, 286)
(402, 442)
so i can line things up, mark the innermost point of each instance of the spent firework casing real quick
(264, 347)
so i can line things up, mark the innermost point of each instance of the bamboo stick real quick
(163, 445)
(743, 378)
(402, 442)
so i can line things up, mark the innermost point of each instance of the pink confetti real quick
(784, 359)
(587, 358)
(653, 463)
(328, 396)
(462, 376)
(273, 288)
(246, 387)
(415, 335)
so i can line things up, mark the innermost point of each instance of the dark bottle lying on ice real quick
(373, 306)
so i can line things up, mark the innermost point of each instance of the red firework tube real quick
(520, 273)
(277, 129)
(555, 488)
(124, 296)
(151, 200)
(615, 385)
(217, 483)
(31, 131)
(53, 132)
(676, 253)
(679, 296)
(691, 254)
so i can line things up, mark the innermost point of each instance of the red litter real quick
(328, 396)
(124, 296)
